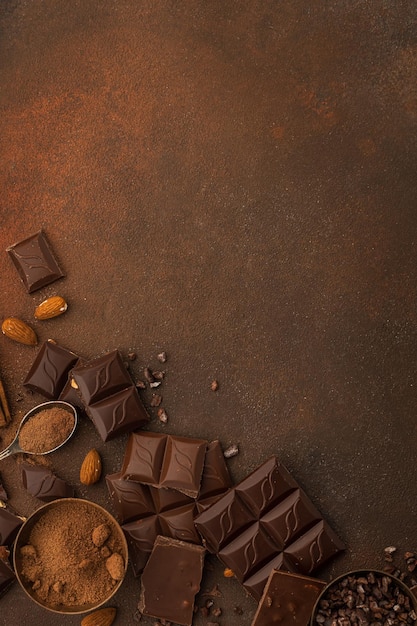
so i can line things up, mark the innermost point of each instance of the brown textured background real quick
(234, 183)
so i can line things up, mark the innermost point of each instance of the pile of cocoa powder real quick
(46, 430)
(74, 556)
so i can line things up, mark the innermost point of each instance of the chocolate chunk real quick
(165, 461)
(9, 526)
(171, 580)
(147, 511)
(109, 396)
(41, 483)
(287, 599)
(35, 262)
(7, 576)
(267, 522)
(49, 372)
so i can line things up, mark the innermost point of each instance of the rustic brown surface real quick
(234, 183)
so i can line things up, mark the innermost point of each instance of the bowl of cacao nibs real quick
(70, 556)
(365, 597)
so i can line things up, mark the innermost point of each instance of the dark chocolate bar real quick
(287, 599)
(35, 262)
(267, 522)
(41, 483)
(165, 461)
(49, 372)
(146, 511)
(109, 396)
(7, 576)
(9, 526)
(170, 581)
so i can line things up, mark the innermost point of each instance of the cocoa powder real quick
(61, 562)
(46, 430)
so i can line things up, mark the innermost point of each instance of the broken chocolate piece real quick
(35, 262)
(9, 526)
(41, 483)
(109, 396)
(287, 599)
(49, 372)
(267, 522)
(170, 581)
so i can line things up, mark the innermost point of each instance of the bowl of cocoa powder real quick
(70, 556)
(365, 597)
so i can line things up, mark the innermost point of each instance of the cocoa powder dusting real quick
(61, 562)
(46, 430)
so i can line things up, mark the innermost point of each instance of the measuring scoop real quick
(14, 447)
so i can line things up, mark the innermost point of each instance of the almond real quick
(51, 307)
(90, 470)
(19, 331)
(102, 617)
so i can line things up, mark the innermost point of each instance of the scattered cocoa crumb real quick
(214, 385)
(217, 612)
(158, 375)
(154, 384)
(147, 372)
(140, 384)
(231, 451)
(213, 593)
(156, 399)
(162, 357)
(162, 416)
(131, 356)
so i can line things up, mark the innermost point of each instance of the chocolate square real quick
(35, 262)
(170, 581)
(49, 372)
(101, 377)
(118, 414)
(287, 599)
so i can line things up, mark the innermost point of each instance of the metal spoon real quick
(14, 447)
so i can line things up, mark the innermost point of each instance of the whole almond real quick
(51, 307)
(102, 617)
(90, 470)
(19, 331)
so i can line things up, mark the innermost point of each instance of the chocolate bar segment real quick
(9, 526)
(170, 581)
(43, 484)
(146, 511)
(101, 378)
(267, 522)
(165, 461)
(7, 576)
(35, 262)
(49, 372)
(287, 599)
(109, 396)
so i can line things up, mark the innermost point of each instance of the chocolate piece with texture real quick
(147, 511)
(109, 396)
(49, 372)
(165, 461)
(43, 484)
(9, 526)
(7, 576)
(170, 581)
(267, 522)
(287, 599)
(35, 262)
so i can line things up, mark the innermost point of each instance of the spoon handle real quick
(13, 448)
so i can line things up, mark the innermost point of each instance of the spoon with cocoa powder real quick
(43, 429)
